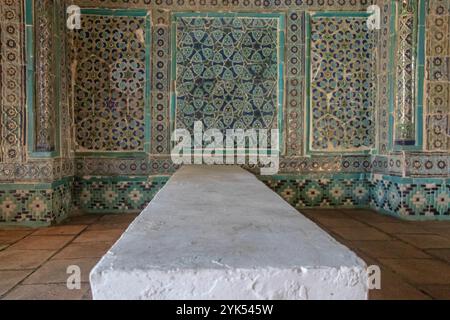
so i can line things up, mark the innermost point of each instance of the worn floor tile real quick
(420, 271)
(108, 226)
(443, 254)
(99, 236)
(8, 279)
(441, 232)
(23, 259)
(417, 274)
(55, 271)
(425, 241)
(360, 233)
(84, 250)
(11, 236)
(42, 243)
(399, 227)
(433, 224)
(437, 291)
(46, 292)
(338, 222)
(324, 213)
(394, 288)
(60, 230)
(388, 249)
(118, 218)
(368, 216)
(82, 219)
(87, 295)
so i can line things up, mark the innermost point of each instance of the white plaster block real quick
(219, 233)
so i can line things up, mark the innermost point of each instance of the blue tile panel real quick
(40, 204)
(115, 194)
(407, 198)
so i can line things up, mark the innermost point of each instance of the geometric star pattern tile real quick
(227, 72)
(342, 108)
(110, 83)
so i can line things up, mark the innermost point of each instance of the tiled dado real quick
(342, 190)
(115, 194)
(37, 204)
(411, 198)
(406, 198)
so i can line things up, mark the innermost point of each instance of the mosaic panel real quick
(341, 103)
(404, 133)
(412, 164)
(230, 5)
(438, 76)
(321, 191)
(411, 198)
(12, 71)
(36, 204)
(44, 112)
(164, 166)
(124, 167)
(405, 198)
(160, 83)
(112, 195)
(36, 171)
(227, 71)
(110, 56)
(295, 83)
(64, 84)
(385, 74)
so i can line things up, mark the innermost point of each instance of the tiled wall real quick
(103, 115)
(326, 191)
(36, 204)
(110, 59)
(228, 72)
(411, 198)
(407, 198)
(342, 59)
(438, 76)
(118, 194)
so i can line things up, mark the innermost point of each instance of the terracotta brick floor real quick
(414, 257)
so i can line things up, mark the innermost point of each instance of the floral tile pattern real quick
(410, 200)
(350, 190)
(115, 194)
(43, 205)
